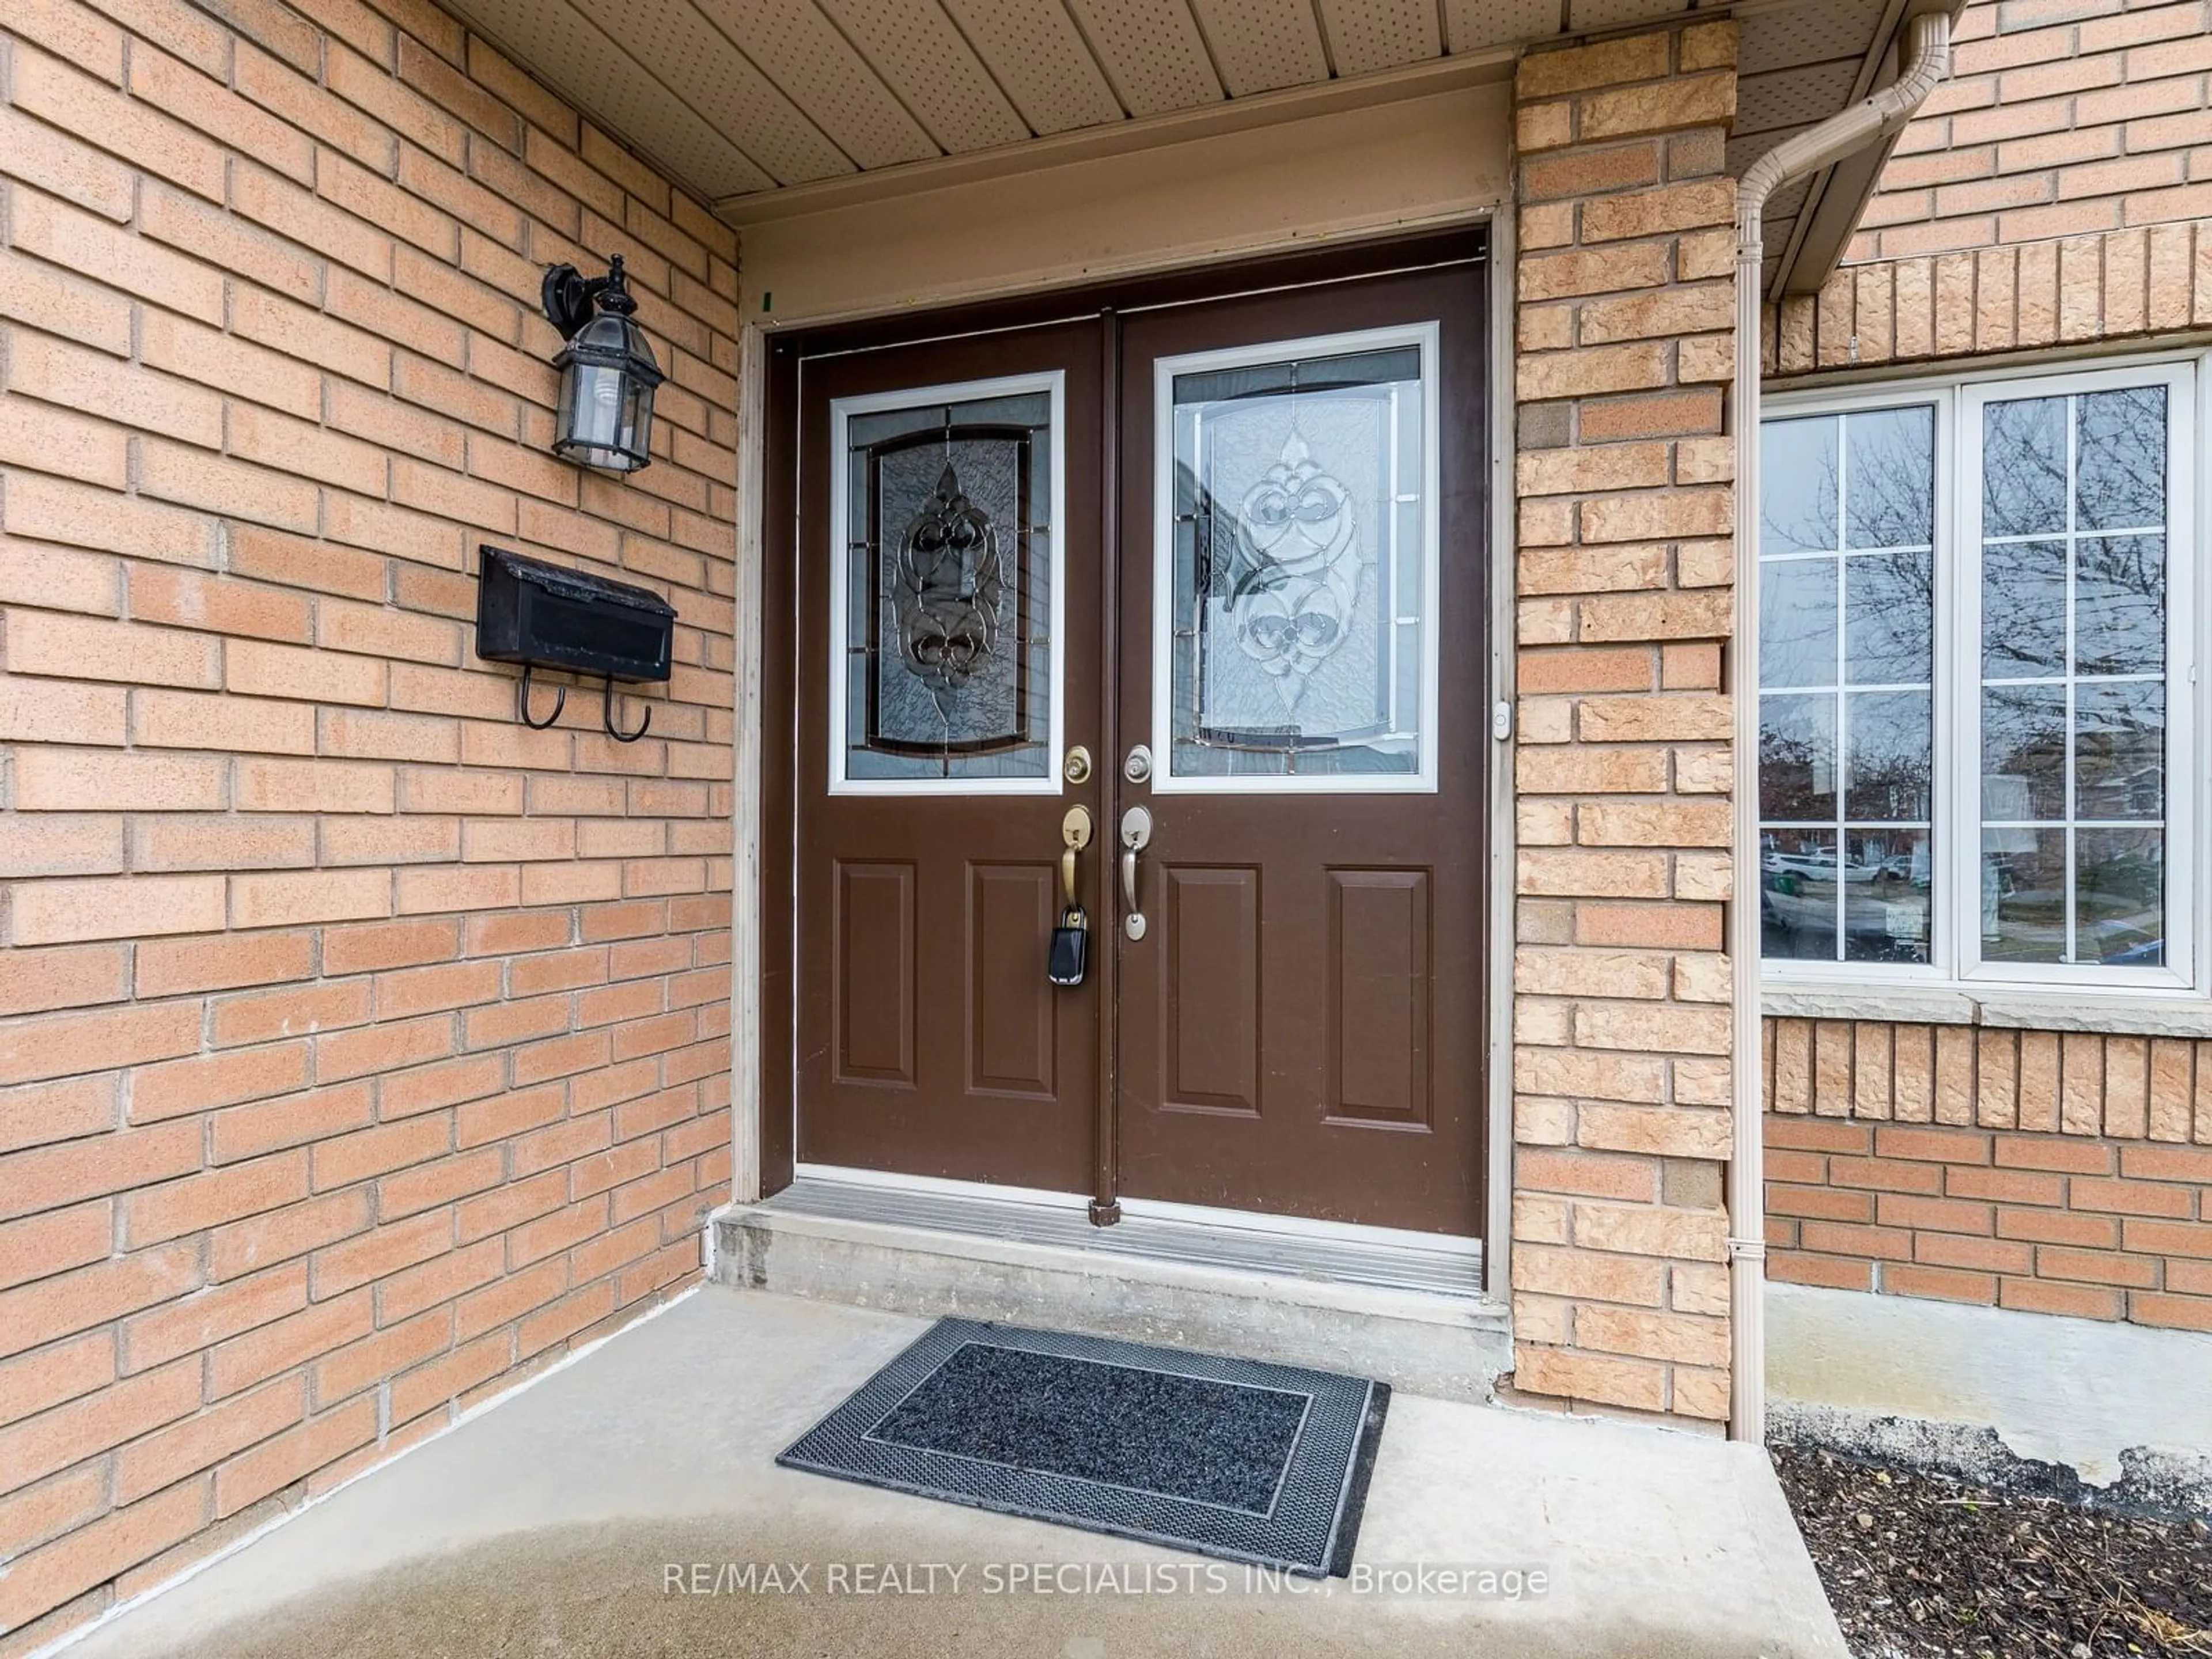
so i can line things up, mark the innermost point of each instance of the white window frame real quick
(1954, 929)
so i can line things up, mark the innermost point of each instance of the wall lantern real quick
(607, 370)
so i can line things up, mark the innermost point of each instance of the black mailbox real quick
(545, 616)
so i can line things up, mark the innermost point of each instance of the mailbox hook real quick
(608, 720)
(522, 702)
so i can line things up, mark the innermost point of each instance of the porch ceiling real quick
(762, 106)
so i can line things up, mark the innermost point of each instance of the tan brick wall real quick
(1621, 1078)
(360, 1050)
(2061, 118)
(2060, 1172)
(2057, 190)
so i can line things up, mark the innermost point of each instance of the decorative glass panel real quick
(2073, 694)
(1299, 574)
(947, 664)
(1846, 652)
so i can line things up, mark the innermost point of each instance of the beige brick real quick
(1592, 370)
(1693, 206)
(1697, 100)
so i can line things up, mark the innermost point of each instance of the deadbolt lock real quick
(1138, 767)
(1076, 766)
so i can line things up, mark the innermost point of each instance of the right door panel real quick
(1304, 648)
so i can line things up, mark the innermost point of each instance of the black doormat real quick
(1252, 1463)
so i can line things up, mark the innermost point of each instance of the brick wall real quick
(2058, 189)
(2066, 1173)
(361, 1051)
(1626, 311)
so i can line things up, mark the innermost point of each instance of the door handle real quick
(1136, 836)
(1074, 836)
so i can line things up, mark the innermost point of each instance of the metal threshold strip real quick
(1344, 1255)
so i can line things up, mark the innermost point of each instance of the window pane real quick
(1797, 623)
(2023, 609)
(1889, 473)
(2120, 443)
(2074, 769)
(1301, 568)
(2023, 467)
(2023, 754)
(949, 575)
(1798, 485)
(2119, 604)
(2119, 749)
(1797, 758)
(1890, 616)
(1886, 911)
(2024, 895)
(1891, 737)
(2119, 896)
(1797, 894)
(1846, 871)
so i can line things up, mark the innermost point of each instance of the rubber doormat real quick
(1252, 1463)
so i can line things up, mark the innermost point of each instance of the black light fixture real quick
(607, 370)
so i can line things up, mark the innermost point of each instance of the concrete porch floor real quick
(546, 1527)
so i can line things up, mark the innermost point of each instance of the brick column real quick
(1621, 1088)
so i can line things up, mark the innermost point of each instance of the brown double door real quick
(1231, 551)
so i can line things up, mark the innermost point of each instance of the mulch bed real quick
(1919, 1566)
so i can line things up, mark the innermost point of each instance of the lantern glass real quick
(605, 417)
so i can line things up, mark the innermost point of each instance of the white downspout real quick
(1927, 61)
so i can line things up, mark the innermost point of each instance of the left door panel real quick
(948, 512)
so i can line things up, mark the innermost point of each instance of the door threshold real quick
(1243, 1240)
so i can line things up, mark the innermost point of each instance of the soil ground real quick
(1921, 1566)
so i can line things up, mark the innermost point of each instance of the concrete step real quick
(1411, 1316)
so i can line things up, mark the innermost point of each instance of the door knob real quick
(1136, 836)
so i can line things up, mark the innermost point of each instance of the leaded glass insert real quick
(945, 640)
(1298, 590)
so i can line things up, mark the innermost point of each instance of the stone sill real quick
(2180, 1016)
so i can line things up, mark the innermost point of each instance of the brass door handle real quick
(1074, 836)
(1136, 836)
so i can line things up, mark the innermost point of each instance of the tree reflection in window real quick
(2073, 699)
(1846, 677)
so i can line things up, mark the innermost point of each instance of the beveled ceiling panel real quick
(1367, 35)
(1262, 45)
(921, 57)
(1034, 50)
(622, 95)
(1471, 25)
(694, 61)
(797, 48)
(738, 98)
(1793, 97)
(1152, 52)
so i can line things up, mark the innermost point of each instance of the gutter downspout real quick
(1927, 61)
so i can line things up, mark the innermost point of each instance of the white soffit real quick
(760, 105)
(798, 48)
(1263, 45)
(1474, 25)
(924, 60)
(1034, 49)
(694, 60)
(1363, 36)
(1152, 52)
